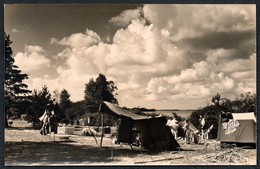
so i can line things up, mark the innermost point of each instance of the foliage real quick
(64, 99)
(63, 107)
(100, 90)
(97, 91)
(79, 110)
(39, 102)
(243, 103)
(16, 92)
(216, 99)
(143, 109)
(75, 111)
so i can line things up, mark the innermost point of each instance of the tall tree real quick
(64, 105)
(64, 99)
(16, 92)
(100, 90)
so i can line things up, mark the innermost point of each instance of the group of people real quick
(49, 124)
(189, 133)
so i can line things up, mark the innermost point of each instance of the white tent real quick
(240, 129)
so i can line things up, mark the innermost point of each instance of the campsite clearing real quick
(27, 147)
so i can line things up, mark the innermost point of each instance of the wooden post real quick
(102, 126)
(102, 129)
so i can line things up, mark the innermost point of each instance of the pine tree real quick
(64, 99)
(64, 106)
(16, 92)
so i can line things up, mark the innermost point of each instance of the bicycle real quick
(137, 142)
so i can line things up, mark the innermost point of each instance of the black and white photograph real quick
(130, 84)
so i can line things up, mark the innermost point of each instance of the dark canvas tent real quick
(154, 133)
(240, 128)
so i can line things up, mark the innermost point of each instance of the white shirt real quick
(202, 122)
(172, 123)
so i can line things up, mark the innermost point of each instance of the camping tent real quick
(154, 133)
(240, 128)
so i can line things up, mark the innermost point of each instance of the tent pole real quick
(102, 126)
(102, 129)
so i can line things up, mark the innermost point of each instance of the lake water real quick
(183, 113)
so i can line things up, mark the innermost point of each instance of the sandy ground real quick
(24, 147)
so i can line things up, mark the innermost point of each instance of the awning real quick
(121, 112)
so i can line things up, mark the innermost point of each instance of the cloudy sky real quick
(159, 56)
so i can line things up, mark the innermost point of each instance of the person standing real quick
(202, 127)
(48, 121)
(188, 132)
(172, 123)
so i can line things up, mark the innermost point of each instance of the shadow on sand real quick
(59, 152)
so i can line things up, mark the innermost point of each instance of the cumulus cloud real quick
(244, 75)
(188, 52)
(240, 64)
(246, 87)
(125, 17)
(187, 21)
(200, 28)
(67, 79)
(78, 40)
(220, 41)
(32, 59)
(199, 71)
(198, 81)
(134, 50)
(31, 49)
(138, 44)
